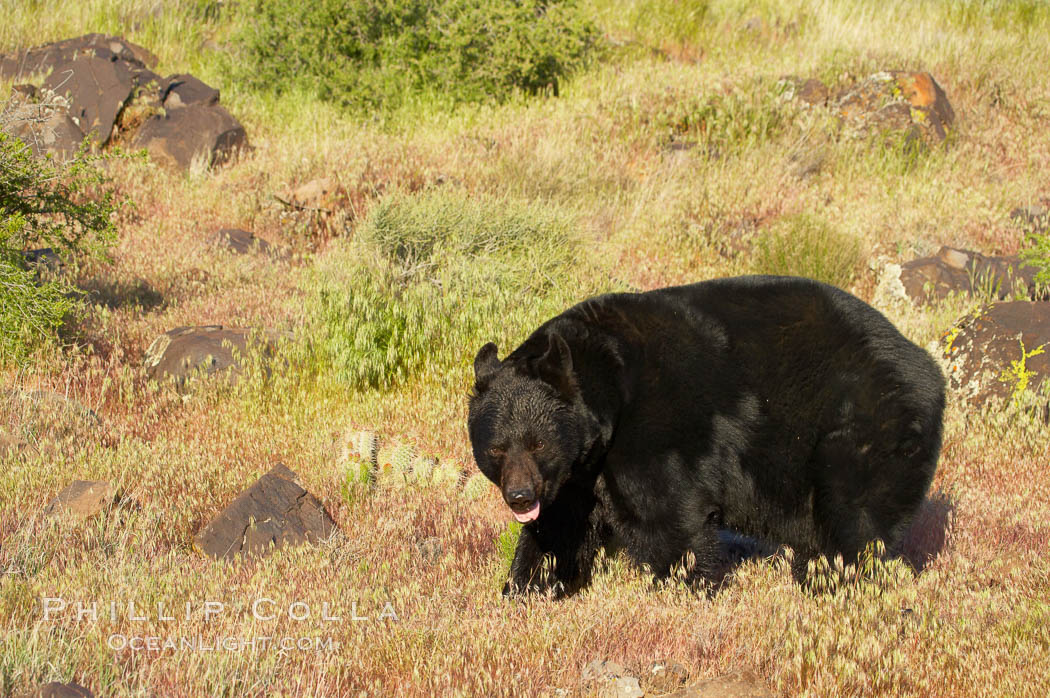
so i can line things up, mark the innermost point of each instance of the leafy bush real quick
(1037, 254)
(429, 278)
(43, 205)
(807, 246)
(386, 53)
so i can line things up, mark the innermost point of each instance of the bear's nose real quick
(521, 499)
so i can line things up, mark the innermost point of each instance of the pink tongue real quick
(529, 515)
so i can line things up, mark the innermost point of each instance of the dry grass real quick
(973, 622)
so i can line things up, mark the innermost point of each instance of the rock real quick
(984, 351)
(115, 98)
(41, 421)
(185, 90)
(42, 121)
(1034, 219)
(612, 680)
(44, 257)
(187, 351)
(97, 90)
(41, 59)
(59, 690)
(626, 687)
(897, 101)
(740, 684)
(965, 271)
(664, 676)
(239, 241)
(811, 91)
(82, 499)
(274, 512)
(601, 670)
(317, 194)
(206, 133)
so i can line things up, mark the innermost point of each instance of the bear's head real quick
(527, 425)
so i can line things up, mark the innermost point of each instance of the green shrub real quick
(1037, 254)
(43, 205)
(388, 53)
(507, 545)
(429, 278)
(804, 245)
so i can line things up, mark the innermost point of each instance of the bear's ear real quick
(486, 363)
(555, 367)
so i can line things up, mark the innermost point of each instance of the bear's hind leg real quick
(867, 490)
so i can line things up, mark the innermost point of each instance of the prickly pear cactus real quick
(447, 475)
(423, 469)
(395, 463)
(360, 446)
(368, 462)
(475, 487)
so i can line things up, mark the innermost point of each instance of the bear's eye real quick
(538, 446)
(495, 452)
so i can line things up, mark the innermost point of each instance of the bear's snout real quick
(520, 499)
(520, 491)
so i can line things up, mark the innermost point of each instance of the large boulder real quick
(897, 101)
(97, 90)
(1000, 351)
(202, 133)
(42, 59)
(104, 87)
(966, 271)
(274, 512)
(183, 352)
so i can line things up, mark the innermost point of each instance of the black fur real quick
(778, 407)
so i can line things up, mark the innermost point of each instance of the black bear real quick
(777, 407)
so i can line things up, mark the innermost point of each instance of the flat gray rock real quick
(82, 499)
(274, 512)
(239, 241)
(184, 352)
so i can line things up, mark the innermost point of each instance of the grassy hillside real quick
(669, 155)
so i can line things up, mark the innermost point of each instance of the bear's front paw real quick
(514, 590)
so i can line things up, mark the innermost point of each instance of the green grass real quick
(402, 296)
(804, 245)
